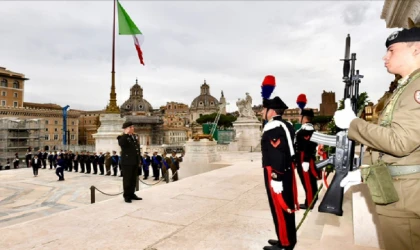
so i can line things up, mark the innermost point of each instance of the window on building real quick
(16, 84)
(72, 137)
(56, 122)
(46, 121)
(90, 122)
(72, 130)
(3, 93)
(211, 103)
(47, 137)
(72, 123)
(15, 95)
(3, 103)
(55, 129)
(3, 83)
(15, 104)
(55, 137)
(201, 103)
(46, 129)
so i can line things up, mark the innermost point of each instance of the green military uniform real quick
(398, 138)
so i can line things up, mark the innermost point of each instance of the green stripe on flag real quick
(125, 24)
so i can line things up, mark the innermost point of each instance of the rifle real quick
(343, 159)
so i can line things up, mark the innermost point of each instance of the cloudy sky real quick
(64, 47)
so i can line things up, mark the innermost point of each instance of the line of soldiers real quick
(87, 161)
(160, 165)
(105, 163)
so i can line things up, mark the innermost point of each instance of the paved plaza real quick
(226, 208)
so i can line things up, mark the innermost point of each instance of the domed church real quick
(136, 105)
(147, 122)
(205, 103)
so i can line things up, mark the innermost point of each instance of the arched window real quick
(201, 103)
(140, 106)
(3, 83)
(16, 84)
(128, 106)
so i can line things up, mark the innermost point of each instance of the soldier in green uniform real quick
(396, 141)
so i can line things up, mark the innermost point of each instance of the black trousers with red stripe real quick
(309, 181)
(284, 222)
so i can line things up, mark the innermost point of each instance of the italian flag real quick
(128, 27)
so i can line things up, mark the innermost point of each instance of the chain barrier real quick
(93, 188)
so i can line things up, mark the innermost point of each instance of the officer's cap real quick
(405, 35)
(307, 112)
(275, 103)
(127, 124)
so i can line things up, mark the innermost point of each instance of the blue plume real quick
(266, 91)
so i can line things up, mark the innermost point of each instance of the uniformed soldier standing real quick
(305, 158)
(130, 160)
(277, 152)
(396, 139)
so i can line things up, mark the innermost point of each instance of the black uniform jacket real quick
(303, 143)
(277, 149)
(130, 150)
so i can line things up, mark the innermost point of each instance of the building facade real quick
(88, 125)
(328, 104)
(11, 88)
(294, 114)
(52, 118)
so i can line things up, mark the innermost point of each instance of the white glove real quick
(277, 186)
(352, 178)
(344, 117)
(305, 166)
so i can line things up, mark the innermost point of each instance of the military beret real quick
(127, 124)
(307, 112)
(405, 35)
(275, 103)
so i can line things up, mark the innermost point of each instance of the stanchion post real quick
(92, 194)
(137, 183)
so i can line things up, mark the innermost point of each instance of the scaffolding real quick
(17, 135)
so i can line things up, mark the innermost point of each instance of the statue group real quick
(245, 107)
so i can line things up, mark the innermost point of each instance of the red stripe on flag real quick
(139, 52)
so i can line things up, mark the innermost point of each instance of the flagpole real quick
(113, 107)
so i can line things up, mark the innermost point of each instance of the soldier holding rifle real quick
(395, 140)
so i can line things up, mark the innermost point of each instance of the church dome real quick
(136, 103)
(204, 100)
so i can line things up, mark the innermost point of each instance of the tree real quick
(361, 102)
(225, 121)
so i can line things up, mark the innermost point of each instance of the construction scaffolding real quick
(17, 135)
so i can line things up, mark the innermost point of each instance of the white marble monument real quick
(106, 138)
(198, 156)
(247, 127)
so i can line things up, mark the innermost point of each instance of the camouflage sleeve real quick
(401, 138)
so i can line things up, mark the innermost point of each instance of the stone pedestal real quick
(365, 219)
(248, 134)
(198, 156)
(106, 138)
